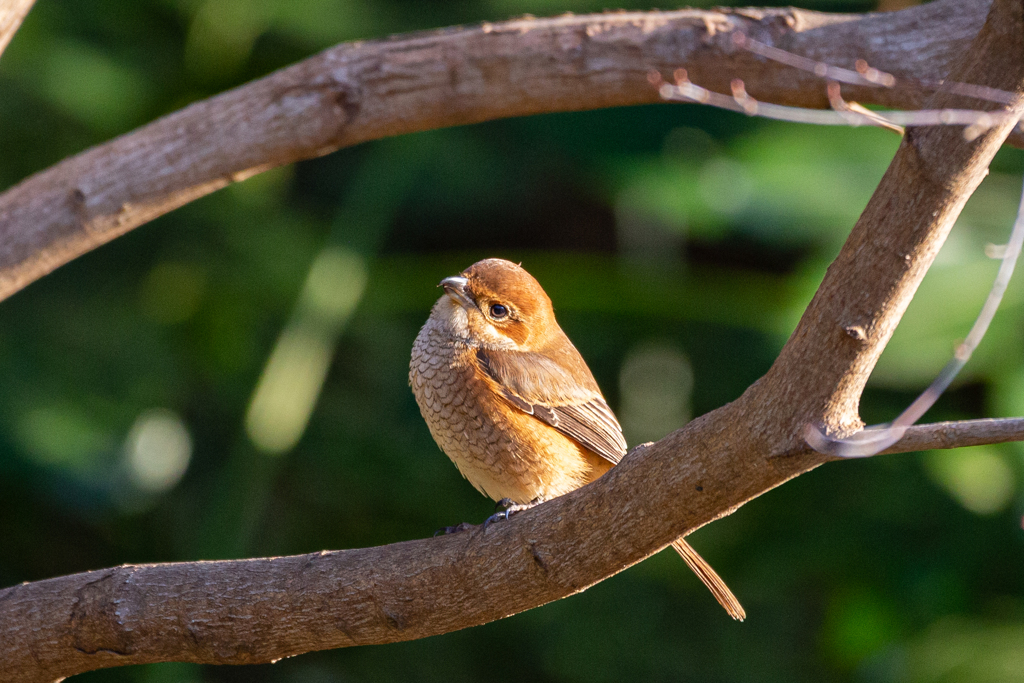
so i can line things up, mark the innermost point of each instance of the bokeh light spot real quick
(222, 35)
(62, 436)
(979, 478)
(172, 292)
(656, 381)
(962, 649)
(158, 450)
(858, 623)
(94, 87)
(294, 374)
(725, 186)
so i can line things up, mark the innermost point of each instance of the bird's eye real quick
(498, 311)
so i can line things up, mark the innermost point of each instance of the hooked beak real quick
(455, 287)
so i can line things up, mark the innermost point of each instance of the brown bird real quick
(510, 400)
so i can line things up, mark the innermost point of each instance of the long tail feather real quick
(710, 578)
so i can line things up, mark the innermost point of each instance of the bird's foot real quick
(445, 530)
(505, 509)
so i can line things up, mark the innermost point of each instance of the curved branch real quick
(261, 610)
(250, 611)
(367, 90)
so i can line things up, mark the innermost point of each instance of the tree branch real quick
(250, 611)
(12, 13)
(824, 366)
(959, 434)
(367, 90)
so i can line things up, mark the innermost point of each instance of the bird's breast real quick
(502, 451)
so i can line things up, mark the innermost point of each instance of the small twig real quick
(855, 113)
(975, 122)
(958, 434)
(866, 75)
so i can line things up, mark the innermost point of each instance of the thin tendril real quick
(975, 122)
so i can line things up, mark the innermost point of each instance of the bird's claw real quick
(503, 514)
(505, 509)
(445, 530)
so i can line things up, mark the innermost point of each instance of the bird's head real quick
(496, 304)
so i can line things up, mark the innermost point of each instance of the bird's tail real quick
(710, 578)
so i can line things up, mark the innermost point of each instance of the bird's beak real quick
(455, 287)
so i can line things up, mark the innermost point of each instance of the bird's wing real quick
(570, 402)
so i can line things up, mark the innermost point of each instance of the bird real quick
(512, 403)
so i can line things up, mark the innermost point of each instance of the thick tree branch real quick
(247, 611)
(260, 610)
(368, 90)
(12, 13)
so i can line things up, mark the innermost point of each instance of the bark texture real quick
(367, 90)
(263, 609)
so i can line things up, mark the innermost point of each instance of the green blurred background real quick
(230, 379)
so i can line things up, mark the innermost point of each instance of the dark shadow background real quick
(679, 245)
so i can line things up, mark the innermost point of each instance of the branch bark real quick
(12, 13)
(939, 435)
(363, 91)
(256, 611)
(263, 609)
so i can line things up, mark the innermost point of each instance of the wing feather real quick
(539, 386)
